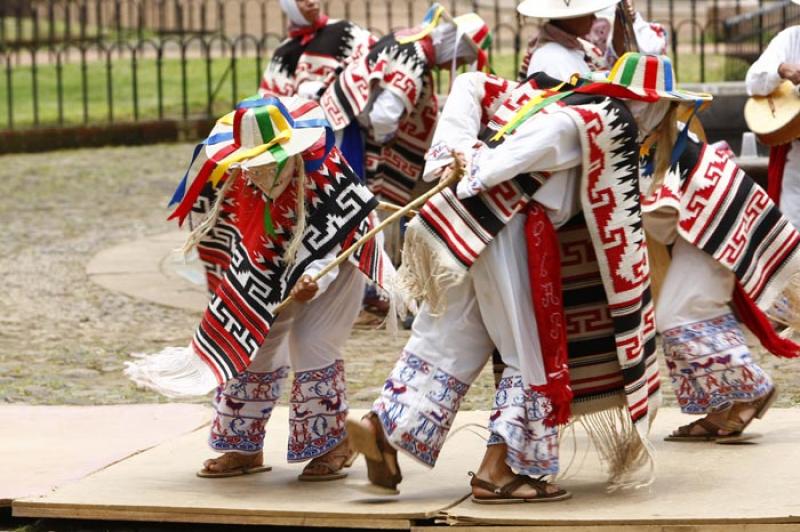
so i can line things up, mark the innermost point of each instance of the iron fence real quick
(86, 61)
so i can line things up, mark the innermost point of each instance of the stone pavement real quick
(152, 269)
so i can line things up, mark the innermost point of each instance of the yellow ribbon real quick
(239, 155)
(530, 104)
(224, 165)
(424, 32)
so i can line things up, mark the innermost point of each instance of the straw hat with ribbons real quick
(471, 27)
(635, 76)
(261, 136)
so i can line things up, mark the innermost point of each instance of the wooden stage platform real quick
(699, 488)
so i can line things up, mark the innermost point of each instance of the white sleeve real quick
(544, 143)
(459, 123)
(385, 115)
(316, 266)
(762, 76)
(651, 40)
(557, 62)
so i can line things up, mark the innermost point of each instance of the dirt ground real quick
(63, 340)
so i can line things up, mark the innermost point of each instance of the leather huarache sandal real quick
(711, 432)
(503, 494)
(383, 470)
(333, 462)
(738, 424)
(232, 472)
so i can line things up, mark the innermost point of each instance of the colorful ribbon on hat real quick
(316, 155)
(539, 102)
(180, 192)
(432, 18)
(267, 111)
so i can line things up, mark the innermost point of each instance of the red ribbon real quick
(754, 319)
(306, 33)
(777, 164)
(544, 271)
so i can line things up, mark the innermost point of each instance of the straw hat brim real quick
(675, 95)
(557, 9)
(301, 139)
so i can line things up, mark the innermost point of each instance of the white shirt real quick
(543, 143)
(762, 79)
(558, 61)
(762, 76)
(385, 114)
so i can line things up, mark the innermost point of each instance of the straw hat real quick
(556, 9)
(651, 76)
(266, 131)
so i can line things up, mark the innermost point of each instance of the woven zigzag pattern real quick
(405, 69)
(611, 329)
(254, 277)
(610, 199)
(727, 215)
(293, 64)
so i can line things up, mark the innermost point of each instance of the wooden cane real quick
(387, 206)
(455, 174)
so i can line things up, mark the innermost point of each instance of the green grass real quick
(197, 87)
(96, 90)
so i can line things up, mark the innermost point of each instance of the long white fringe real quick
(628, 455)
(425, 274)
(173, 372)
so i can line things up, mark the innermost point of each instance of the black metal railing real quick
(69, 62)
(747, 34)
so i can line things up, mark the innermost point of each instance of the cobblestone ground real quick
(63, 340)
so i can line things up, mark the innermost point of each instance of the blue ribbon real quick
(180, 192)
(330, 140)
(261, 102)
(352, 148)
(683, 137)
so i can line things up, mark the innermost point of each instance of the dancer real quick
(781, 61)
(561, 48)
(279, 218)
(739, 252)
(307, 61)
(390, 91)
(465, 256)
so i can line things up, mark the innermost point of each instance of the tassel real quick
(558, 391)
(621, 447)
(424, 274)
(300, 225)
(172, 372)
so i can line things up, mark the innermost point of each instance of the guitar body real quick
(775, 119)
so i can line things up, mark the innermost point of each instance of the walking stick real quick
(455, 174)
(387, 206)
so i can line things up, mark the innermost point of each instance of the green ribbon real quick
(281, 157)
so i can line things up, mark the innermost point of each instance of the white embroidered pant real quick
(446, 353)
(706, 353)
(310, 336)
